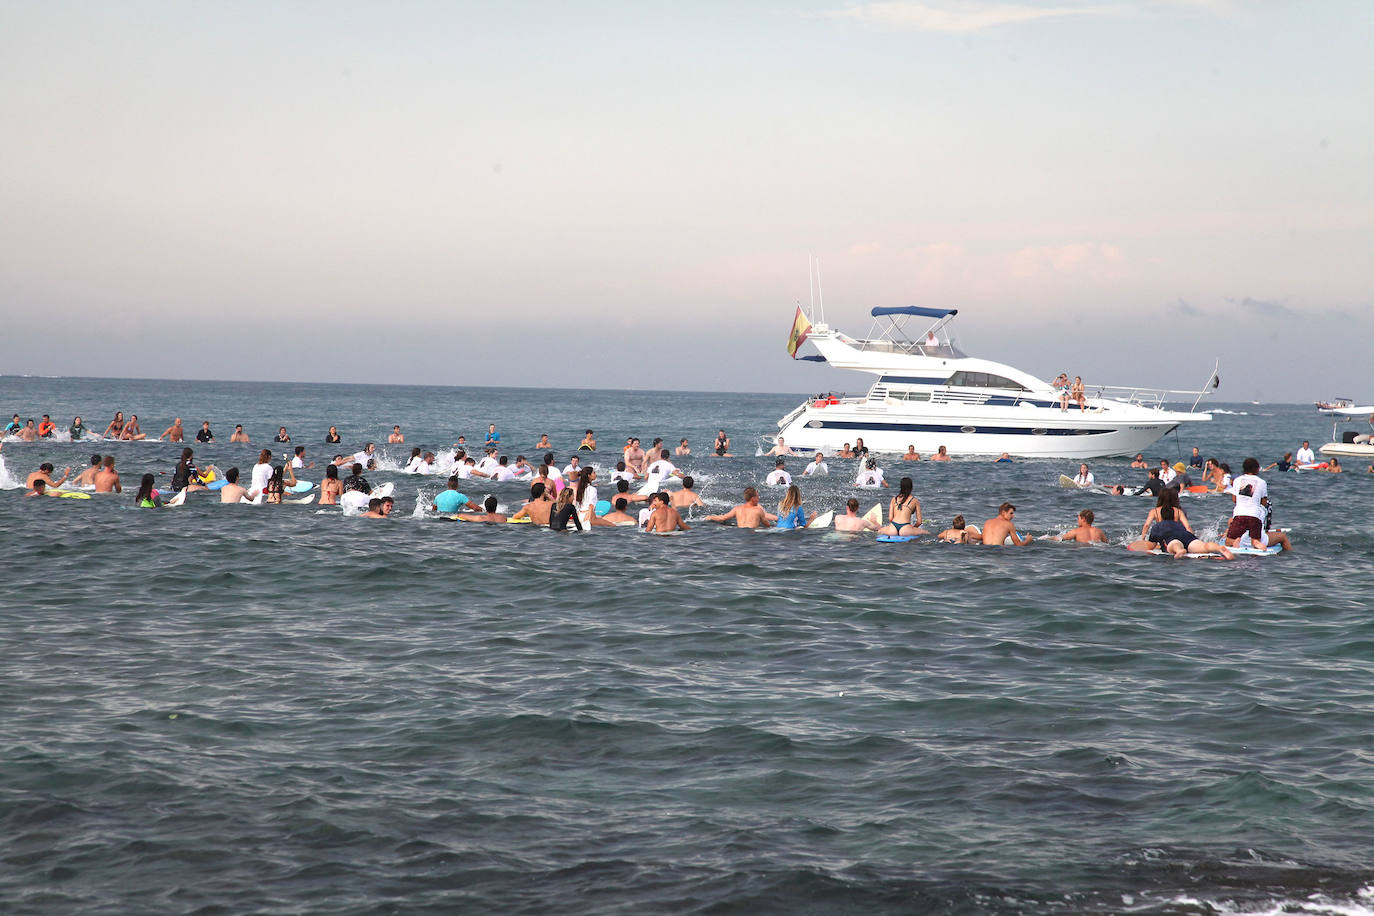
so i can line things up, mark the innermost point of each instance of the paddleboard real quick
(179, 499)
(896, 538)
(1269, 551)
(1067, 483)
(67, 494)
(875, 515)
(823, 520)
(301, 486)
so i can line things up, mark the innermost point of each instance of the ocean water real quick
(284, 710)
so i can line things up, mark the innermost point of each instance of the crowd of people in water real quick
(569, 496)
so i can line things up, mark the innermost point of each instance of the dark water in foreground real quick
(277, 709)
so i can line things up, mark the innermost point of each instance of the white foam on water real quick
(7, 480)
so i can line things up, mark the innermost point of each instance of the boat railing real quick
(1152, 398)
(912, 349)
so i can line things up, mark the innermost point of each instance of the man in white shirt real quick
(488, 463)
(662, 468)
(522, 468)
(779, 477)
(1251, 496)
(1166, 473)
(1305, 454)
(502, 472)
(817, 467)
(298, 459)
(363, 456)
(573, 469)
(871, 475)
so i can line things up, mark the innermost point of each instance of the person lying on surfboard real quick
(960, 532)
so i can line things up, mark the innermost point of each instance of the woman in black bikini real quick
(722, 445)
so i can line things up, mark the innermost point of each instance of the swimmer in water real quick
(232, 492)
(397, 437)
(332, 437)
(381, 507)
(871, 476)
(238, 435)
(618, 516)
(941, 455)
(960, 532)
(588, 443)
(779, 448)
(565, 513)
(663, 518)
(173, 433)
(904, 512)
(331, 488)
(1173, 538)
(852, 521)
(817, 466)
(87, 477)
(107, 479)
(722, 445)
(686, 497)
(205, 436)
(537, 510)
(997, 530)
(682, 448)
(911, 454)
(44, 473)
(543, 445)
(790, 511)
(1085, 533)
(147, 498)
(748, 514)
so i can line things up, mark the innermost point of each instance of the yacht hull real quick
(1026, 432)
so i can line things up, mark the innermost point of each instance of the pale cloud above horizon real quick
(542, 194)
(956, 16)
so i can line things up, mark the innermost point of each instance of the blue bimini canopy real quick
(914, 310)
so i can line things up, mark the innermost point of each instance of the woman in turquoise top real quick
(790, 511)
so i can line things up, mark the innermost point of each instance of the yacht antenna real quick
(811, 282)
(820, 292)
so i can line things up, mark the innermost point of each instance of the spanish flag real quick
(800, 328)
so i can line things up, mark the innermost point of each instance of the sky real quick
(626, 195)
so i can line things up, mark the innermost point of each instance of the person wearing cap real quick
(1181, 479)
(779, 476)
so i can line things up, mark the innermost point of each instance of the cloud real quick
(1183, 307)
(1077, 258)
(1264, 307)
(957, 16)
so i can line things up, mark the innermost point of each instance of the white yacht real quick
(927, 393)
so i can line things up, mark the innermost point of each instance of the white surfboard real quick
(875, 515)
(179, 499)
(824, 520)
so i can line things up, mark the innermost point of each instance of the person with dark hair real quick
(275, 491)
(1250, 514)
(186, 476)
(900, 511)
(282, 436)
(356, 481)
(238, 435)
(231, 492)
(77, 430)
(663, 518)
(87, 477)
(44, 473)
(204, 435)
(687, 496)
(449, 499)
(1176, 539)
(331, 488)
(332, 437)
(618, 516)
(491, 516)
(146, 498)
(539, 507)
(998, 530)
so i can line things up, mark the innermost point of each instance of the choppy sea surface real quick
(281, 709)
